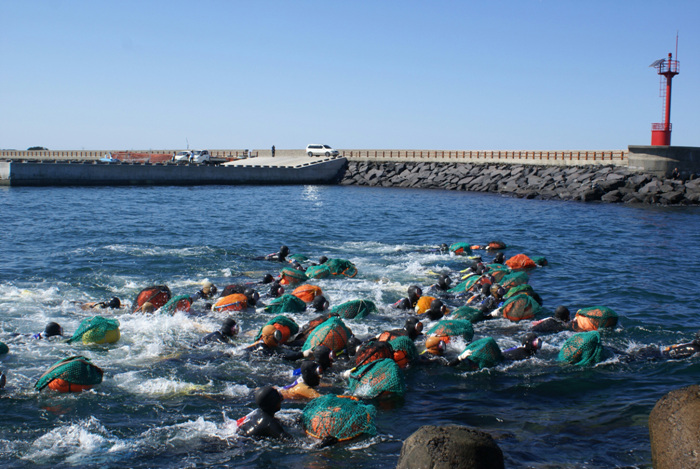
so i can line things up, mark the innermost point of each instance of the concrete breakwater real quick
(587, 183)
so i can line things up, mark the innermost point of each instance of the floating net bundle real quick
(307, 293)
(453, 328)
(177, 303)
(341, 267)
(157, 295)
(298, 257)
(283, 324)
(514, 279)
(318, 271)
(467, 313)
(582, 349)
(483, 353)
(96, 330)
(355, 309)
(493, 245)
(464, 285)
(286, 303)
(461, 249)
(423, 304)
(232, 302)
(594, 318)
(78, 371)
(373, 350)
(292, 276)
(498, 271)
(405, 351)
(342, 417)
(540, 260)
(379, 378)
(520, 261)
(333, 333)
(520, 307)
(525, 289)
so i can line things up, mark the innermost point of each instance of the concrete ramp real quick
(266, 170)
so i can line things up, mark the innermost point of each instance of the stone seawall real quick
(587, 183)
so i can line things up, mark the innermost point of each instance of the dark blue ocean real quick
(163, 404)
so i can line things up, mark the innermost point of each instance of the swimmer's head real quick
(310, 372)
(252, 296)
(437, 310)
(562, 313)
(413, 327)
(271, 336)
(320, 303)
(229, 327)
(52, 329)
(322, 260)
(324, 356)
(531, 342)
(435, 345)
(284, 251)
(414, 292)
(276, 290)
(268, 278)
(499, 259)
(114, 303)
(268, 399)
(148, 307)
(444, 281)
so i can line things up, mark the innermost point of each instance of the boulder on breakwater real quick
(673, 429)
(583, 183)
(450, 447)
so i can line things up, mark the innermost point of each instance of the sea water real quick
(165, 404)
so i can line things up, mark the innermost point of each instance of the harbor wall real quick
(584, 183)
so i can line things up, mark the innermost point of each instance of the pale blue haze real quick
(500, 74)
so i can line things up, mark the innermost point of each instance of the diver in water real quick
(670, 352)
(229, 329)
(52, 329)
(443, 284)
(529, 346)
(411, 329)
(251, 295)
(414, 292)
(304, 386)
(499, 259)
(207, 291)
(436, 310)
(114, 303)
(262, 421)
(280, 256)
(557, 323)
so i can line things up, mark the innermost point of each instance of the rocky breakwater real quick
(583, 183)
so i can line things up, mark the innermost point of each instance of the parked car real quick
(182, 156)
(320, 150)
(192, 156)
(108, 158)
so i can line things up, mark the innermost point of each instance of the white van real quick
(316, 149)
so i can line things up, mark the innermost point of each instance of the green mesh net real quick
(286, 303)
(467, 313)
(355, 309)
(298, 257)
(520, 307)
(378, 378)
(406, 345)
(540, 260)
(498, 271)
(483, 353)
(341, 417)
(582, 349)
(461, 249)
(525, 289)
(318, 271)
(453, 328)
(74, 370)
(464, 285)
(4, 348)
(291, 276)
(341, 267)
(282, 320)
(177, 303)
(595, 317)
(333, 333)
(514, 279)
(95, 330)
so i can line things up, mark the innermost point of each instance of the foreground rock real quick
(587, 183)
(450, 447)
(674, 430)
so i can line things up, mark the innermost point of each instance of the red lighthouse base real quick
(660, 137)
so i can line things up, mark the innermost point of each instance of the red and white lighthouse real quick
(667, 69)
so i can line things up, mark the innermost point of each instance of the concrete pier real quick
(260, 170)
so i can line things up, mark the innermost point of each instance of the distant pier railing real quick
(566, 157)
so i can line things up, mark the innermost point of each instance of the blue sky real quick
(469, 75)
